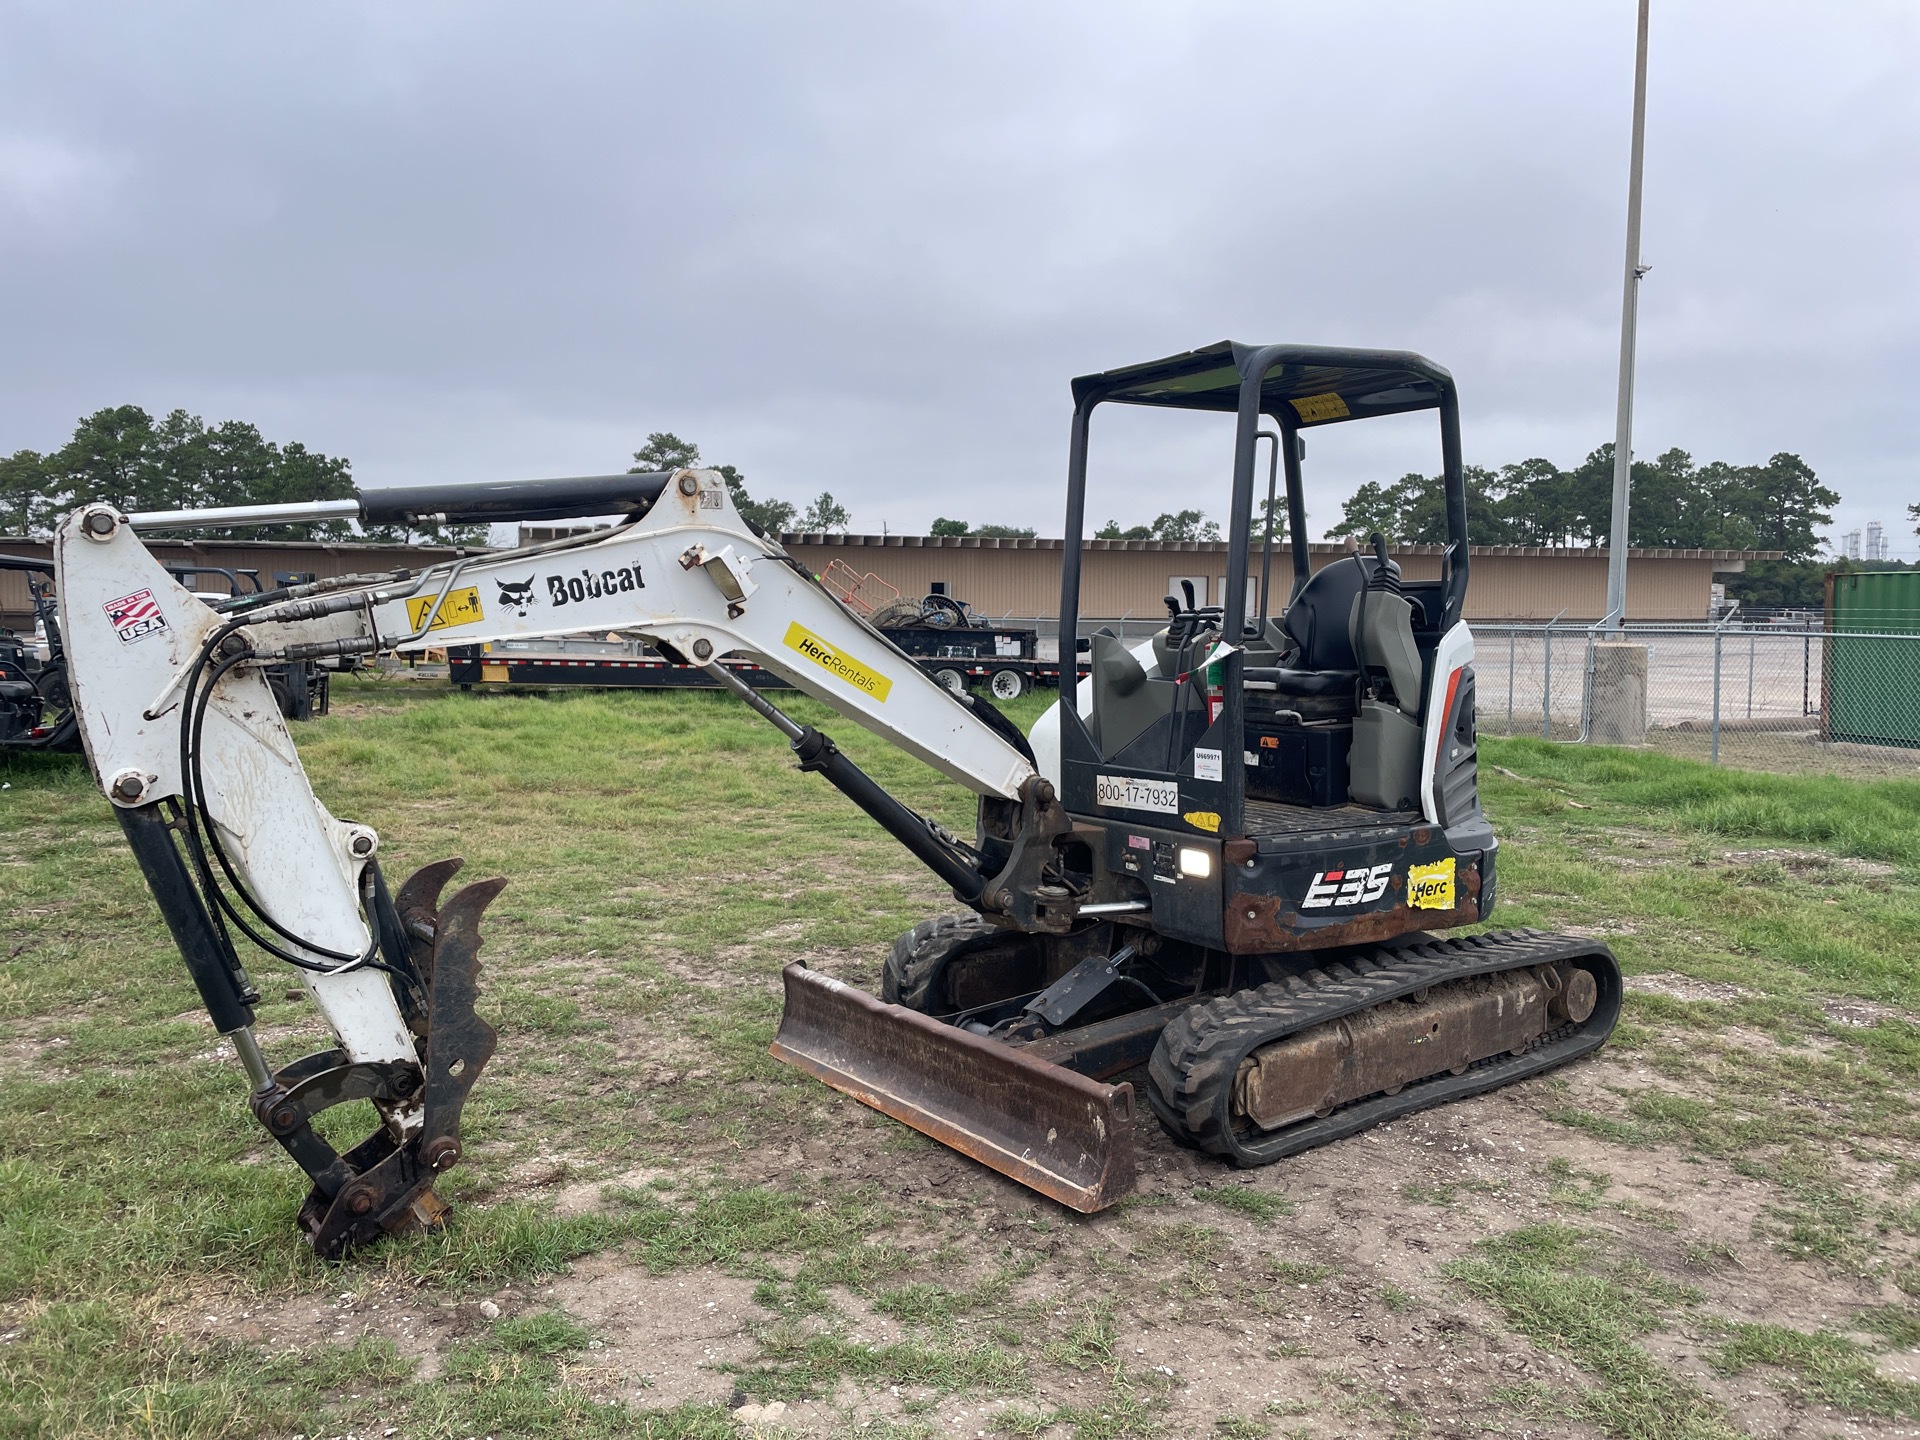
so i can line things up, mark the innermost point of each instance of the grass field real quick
(1710, 1229)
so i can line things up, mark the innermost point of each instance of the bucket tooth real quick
(1051, 1129)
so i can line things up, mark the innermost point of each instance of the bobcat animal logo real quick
(518, 598)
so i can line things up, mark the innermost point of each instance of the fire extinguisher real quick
(1216, 687)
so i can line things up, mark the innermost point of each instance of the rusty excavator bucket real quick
(1050, 1128)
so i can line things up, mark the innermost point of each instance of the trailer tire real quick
(1008, 684)
(953, 679)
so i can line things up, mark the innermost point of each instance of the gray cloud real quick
(862, 247)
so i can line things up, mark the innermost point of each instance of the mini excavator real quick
(1215, 869)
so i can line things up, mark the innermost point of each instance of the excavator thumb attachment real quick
(1050, 1128)
(384, 1185)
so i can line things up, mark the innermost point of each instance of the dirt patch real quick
(1864, 1014)
(1811, 864)
(420, 1330)
(1684, 987)
(662, 1338)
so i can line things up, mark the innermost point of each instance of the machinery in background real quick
(36, 712)
(301, 688)
(1001, 660)
(1215, 868)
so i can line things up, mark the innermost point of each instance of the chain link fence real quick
(1761, 696)
(1758, 693)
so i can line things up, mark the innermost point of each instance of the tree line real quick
(124, 456)
(1676, 504)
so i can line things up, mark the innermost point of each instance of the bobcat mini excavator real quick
(1221, 859)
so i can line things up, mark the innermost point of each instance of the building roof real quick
(1219, 547)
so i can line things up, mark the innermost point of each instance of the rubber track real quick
(1199, 1053)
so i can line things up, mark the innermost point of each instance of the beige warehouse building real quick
(1020, 579)
(1122, 578)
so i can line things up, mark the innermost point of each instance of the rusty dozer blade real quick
(1052, 1129)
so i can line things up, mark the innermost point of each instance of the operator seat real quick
(1320, 676)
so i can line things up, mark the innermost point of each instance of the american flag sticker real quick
(135, 616)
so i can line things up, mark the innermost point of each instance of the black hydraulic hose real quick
(195, 700)
(818, 753)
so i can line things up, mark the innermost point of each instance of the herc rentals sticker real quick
(1127, 793)
(1430, 887)
(842, 667)
(461, 607)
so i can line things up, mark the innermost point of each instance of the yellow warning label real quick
(461, 607)
(1430, 887)
(1321, 407)
(842, 667)
(492, 672)
(1203, 820)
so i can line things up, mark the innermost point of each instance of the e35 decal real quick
(1341, 889)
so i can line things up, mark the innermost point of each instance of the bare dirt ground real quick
(1337, 1317)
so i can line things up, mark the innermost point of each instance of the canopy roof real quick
(1307, 384)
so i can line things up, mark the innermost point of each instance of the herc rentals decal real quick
(1341, 889)
(841, 667)
(135, 617)
(1430, 887)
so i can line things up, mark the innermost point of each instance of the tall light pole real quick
(1629, 318)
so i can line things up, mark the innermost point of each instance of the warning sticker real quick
(1430, 887)
(135, 617)
(1203, 820)
(1124, 792)
(461, 607)
(842, 667)
(1321, 407)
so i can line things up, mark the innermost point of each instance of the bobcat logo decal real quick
(517, 598)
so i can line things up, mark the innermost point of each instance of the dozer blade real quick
(1050, 1128)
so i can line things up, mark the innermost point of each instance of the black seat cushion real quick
(1307, 682)
(1312, 694)
(17, 690)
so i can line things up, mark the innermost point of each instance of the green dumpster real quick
(1870, 684)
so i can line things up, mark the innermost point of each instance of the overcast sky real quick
(864, 247)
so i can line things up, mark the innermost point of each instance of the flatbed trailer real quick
(631, 664)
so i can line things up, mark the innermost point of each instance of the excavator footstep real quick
(1052, 1129)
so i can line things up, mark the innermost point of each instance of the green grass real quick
(1261, 1205)
(1874, 820)
(1823, 1367)
(1554, 1284)
(666, 860)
